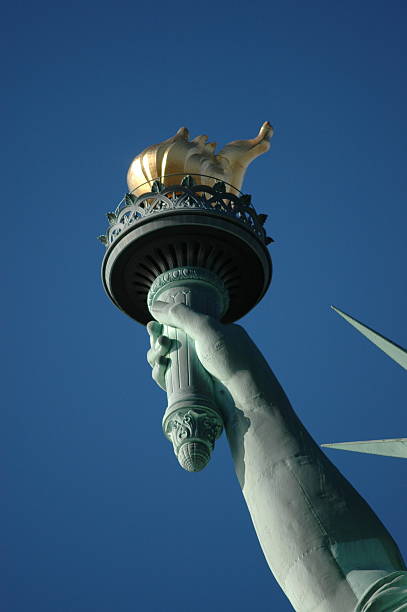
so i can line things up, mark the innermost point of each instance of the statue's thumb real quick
(177, 315)
(160, 312)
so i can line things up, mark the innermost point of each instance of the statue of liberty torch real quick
(187, 249)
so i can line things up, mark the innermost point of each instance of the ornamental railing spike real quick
(188, 181)
(111, 217)
(129, 199)
(157, 187)
(220, 186)
(245, 199)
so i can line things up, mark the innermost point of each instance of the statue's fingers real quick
(160, 348)
(158, 372)
(154, 330)
(162, 345)
(183, 317)
(151, 357)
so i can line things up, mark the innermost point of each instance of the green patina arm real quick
(322, 541)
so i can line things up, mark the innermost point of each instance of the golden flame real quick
(179, 156)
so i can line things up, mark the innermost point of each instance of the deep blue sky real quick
(97, 516)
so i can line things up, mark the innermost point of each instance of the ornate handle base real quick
(193, 432)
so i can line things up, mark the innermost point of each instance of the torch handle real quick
(192, 420)
(188, 384)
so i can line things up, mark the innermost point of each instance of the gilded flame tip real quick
(178, 156)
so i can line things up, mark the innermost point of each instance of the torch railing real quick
(187, 196)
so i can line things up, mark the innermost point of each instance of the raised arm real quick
(323, 543)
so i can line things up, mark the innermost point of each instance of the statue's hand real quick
(156, 356)
(225, 351)
(218, 347)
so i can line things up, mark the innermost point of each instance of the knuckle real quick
(151, 327)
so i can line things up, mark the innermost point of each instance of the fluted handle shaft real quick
(187, 382)
(192, 421)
